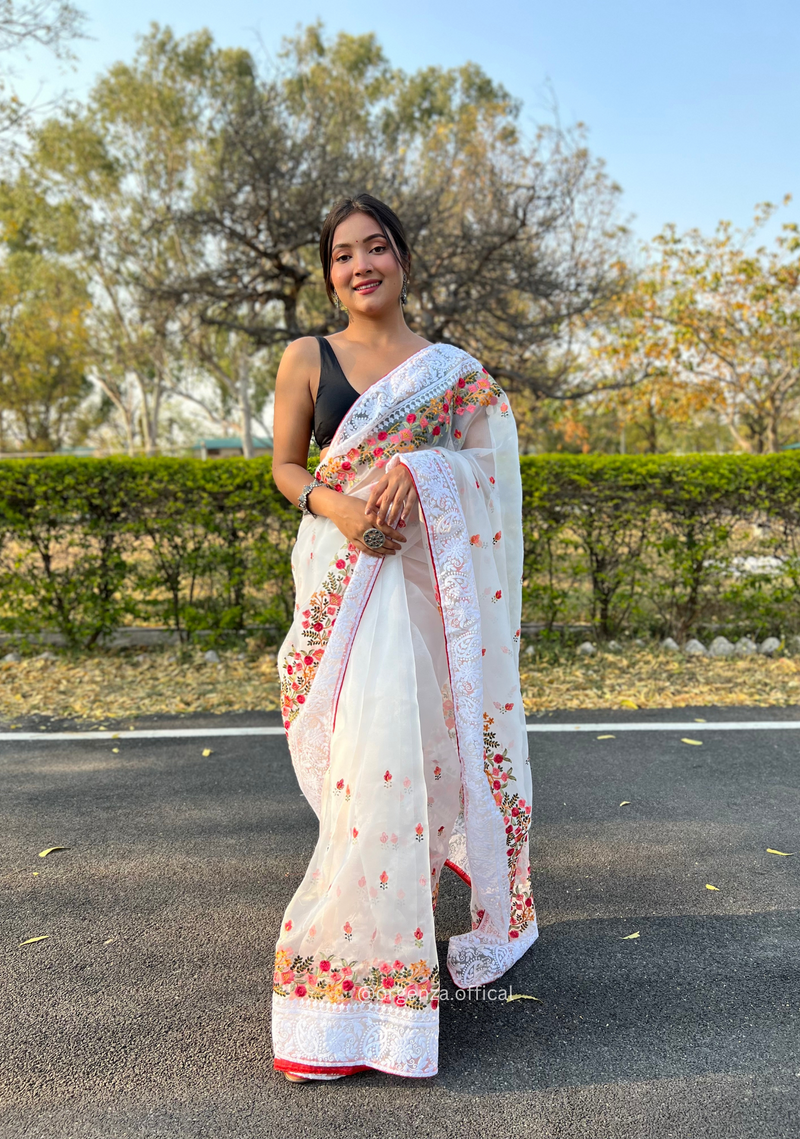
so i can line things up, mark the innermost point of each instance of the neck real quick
(379, 331)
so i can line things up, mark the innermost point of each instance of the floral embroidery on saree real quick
(336, 980)
(299, 665)
(424, 427)
(516, 820)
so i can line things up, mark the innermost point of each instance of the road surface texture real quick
(145, 1012)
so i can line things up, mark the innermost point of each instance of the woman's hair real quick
(387, 220)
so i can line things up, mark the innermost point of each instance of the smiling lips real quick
(367, 287)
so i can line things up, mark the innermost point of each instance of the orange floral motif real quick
(336, 980)
(299, 665)
(425, 426)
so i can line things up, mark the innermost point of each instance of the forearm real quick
(290, 478)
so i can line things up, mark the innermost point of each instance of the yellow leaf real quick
(36, 873)
(783, 853)
(206, 751)
(700, 720)
(697, 743)
(30, 940)
(628, 704)
(50, 849)
(708, 887)
(630, 936)
(606, 737)
(115, 736)
(109, 940)
(115, 750)
(523, 997)
(625, 803)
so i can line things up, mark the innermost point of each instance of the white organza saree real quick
(402, 708)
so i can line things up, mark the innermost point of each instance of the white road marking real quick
(207, 733)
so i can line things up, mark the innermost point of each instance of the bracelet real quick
(302, 501)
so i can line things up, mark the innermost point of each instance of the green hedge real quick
(87, 545)
(657, 544)
(627, 543)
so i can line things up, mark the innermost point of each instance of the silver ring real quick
(373, 537)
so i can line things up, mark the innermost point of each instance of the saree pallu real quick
(401, 703)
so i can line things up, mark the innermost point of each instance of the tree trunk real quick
(244, 403)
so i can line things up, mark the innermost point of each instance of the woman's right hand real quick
(349, 516)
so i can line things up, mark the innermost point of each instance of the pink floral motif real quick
(419, 831)
(300, 664)
(335, 980)
(384, 879)
(416, 429)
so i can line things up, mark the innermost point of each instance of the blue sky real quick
(694, 106)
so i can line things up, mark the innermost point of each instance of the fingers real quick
(375, 493)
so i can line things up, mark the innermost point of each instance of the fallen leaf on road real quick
(32, 939)
(625, 803)
(630, 936)
(628, 704)
(708, 887)
(606, 737)
(206, 751)
(697, 743)
(783, 853)
(50, 849)
(115, 750)
(523, 997)
(700, 720)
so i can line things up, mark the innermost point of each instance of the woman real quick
(399, 676)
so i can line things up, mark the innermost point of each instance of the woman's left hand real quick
(392, 497)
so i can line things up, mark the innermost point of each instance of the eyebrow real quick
(347, 244)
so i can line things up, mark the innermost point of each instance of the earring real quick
(404, 290)
(336, 300)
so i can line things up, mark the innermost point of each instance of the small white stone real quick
(720, 647)
(530, 651)
(745, 647)
(212, 656)
(614, 647)
(671, 645)
(240, 656)
(639, 642)
(46, 655)
(140, 658)
(695, 648)
(587, 648)
(769, 646)
(11, 658)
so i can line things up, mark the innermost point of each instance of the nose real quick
(362, 263)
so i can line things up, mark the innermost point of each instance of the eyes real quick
(375, 249)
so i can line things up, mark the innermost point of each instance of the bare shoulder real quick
(301, 354)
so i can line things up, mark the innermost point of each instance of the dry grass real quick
(118, 686)
(648, 678)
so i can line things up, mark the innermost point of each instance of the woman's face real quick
(364, 270)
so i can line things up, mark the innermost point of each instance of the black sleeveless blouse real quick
(335, 395)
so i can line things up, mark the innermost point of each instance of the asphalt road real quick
(146, 1011)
